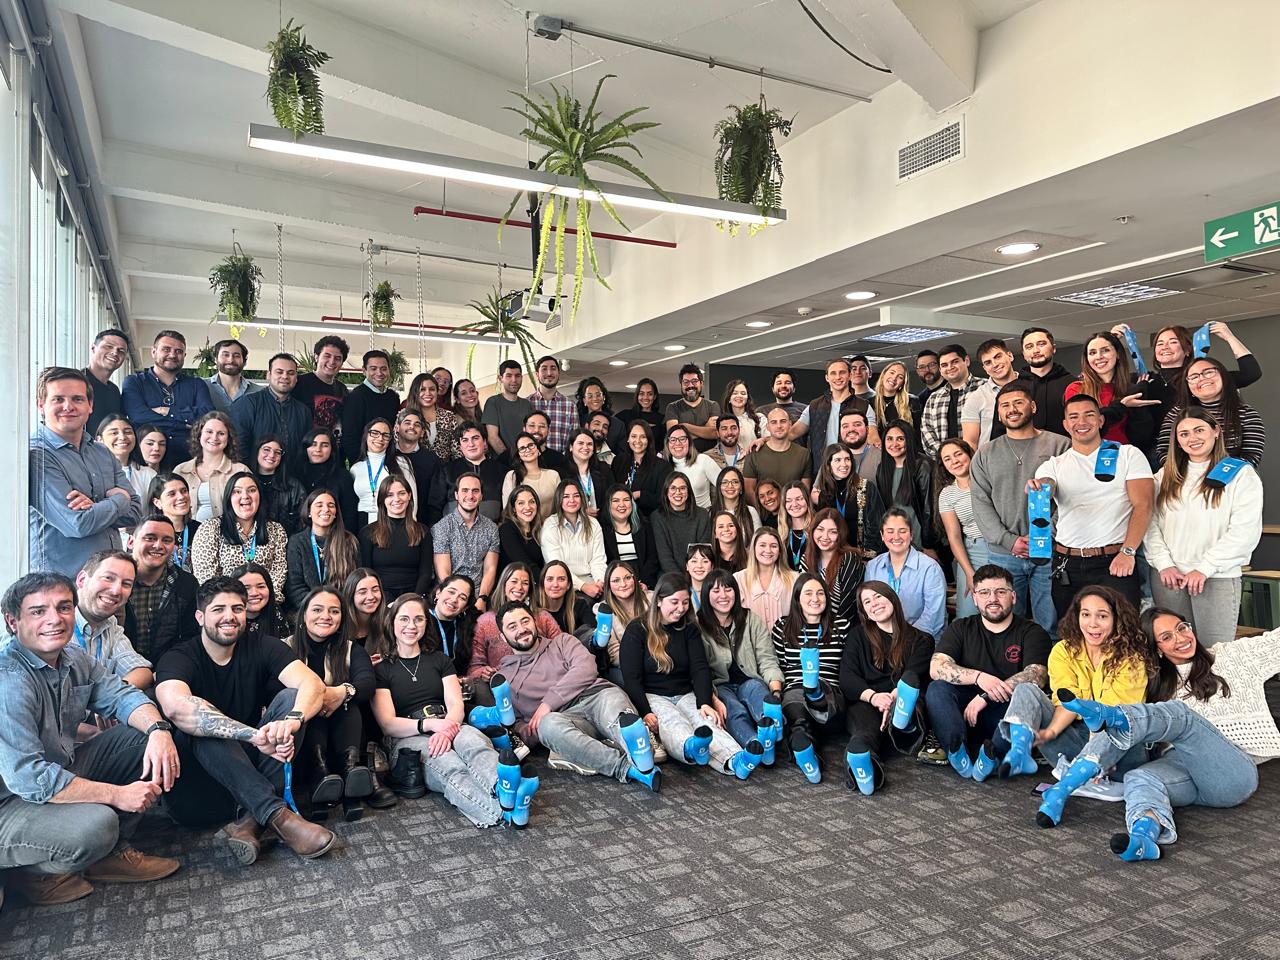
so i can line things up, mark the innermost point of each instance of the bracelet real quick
(420, 722)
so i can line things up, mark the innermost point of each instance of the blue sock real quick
(806, 757)
(652, 779)
(484, 718)
(861, 771)
(960, 761)
(1081, 771)
(508, 782)
(1140, 842)
(501, 690)
(767, 733)
(809, 663)
(604, 627)
(984, 764)
(1094, 714)
(746, 760)
(1200, 342)
(524, 799)
(1018, 760)
(773, 709)
(498, 736)
(636, 741)
(697, 749)
(904, 705)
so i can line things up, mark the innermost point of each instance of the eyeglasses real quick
(694, 547)
(986, 593)
(381, 434)
(1183, 629)
(679, 438)
(1210, 374)
(526, 448)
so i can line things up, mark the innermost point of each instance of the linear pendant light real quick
(357, 327)
(321, 147)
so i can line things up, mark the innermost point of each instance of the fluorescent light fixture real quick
(421, 163)
(1019, 249)
(674, 347)
(758, 324)
(909, 335)
(359, 329)
(860, 295)
(631, 386)
(1115, 294)
(617, 363)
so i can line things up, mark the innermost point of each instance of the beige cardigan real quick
(217, 482)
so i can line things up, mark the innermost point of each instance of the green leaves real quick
(572, 137)
(293, 82)
(498, 320)
(238, 281)
(748, 168)
(382, 308)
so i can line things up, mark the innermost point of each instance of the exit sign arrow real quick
(1239, 234)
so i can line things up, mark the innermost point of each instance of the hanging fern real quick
(399, 364)
(382, 307)
(497, 319)
(293, 83)
(747, 166)
(238, 281)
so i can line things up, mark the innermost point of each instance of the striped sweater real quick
(830, 650)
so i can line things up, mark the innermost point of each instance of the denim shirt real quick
(108, 645)
(922, 589)
(42, 706)
(187, 399)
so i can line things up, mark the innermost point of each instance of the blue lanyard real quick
(695, 600)
(444, 637)
(727, 461)
(182, 557)
(587, 486)
(895, 581)
(97, 650)
(631, 479)
(796, 554)
(373, 477)
(843, 502)
(252, 552)
(315, 554)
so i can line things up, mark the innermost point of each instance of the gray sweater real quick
(672, 534)
(756, 657)
(999, 489)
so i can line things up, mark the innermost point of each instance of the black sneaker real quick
(932, 752)
(518, 746)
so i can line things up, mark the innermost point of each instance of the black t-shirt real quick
(243, 687)
(970, 644)
(322, 400)
(408, 695)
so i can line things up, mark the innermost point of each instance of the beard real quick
(523, 642)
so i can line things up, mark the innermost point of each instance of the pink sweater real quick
(487, 646)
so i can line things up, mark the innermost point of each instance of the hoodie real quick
(557, 671)
(1047, 392)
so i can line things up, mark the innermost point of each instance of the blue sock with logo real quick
(767, 734)
(904, 704)
(862, 771)
(636, 741)
(746, 760)
(697, 749)
(508, 782)
(1094, 714)
(529, 784)
(1140, 842)
(652, 779)
(501, 691)
(960, 762)
(1081, 771)
(984, 763)
(809, 665)
(498, 736)
(1018, 760)
(773, 711)
(805, 756)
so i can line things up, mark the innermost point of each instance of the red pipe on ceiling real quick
(481, 218)
(355, 323)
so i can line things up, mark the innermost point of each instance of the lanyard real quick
(315, 554)
(895, 580)
(631, 479)
(696, 600)
(97, 650)
(181, 559)
(252, 550)
(796, 554)
(444, 637)
(373, 477)
(587, 486)
(842, 499)
(727, 462)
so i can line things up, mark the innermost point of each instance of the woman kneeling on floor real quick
(666, 675)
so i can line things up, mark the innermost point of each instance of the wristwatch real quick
(295, 715)
(164, 725)
(351, 692)
(1129, 551)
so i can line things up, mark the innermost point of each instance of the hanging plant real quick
(306, 362)
(574, 136)
(399, 364)
(382, 306)
(293, 82)
(747, 166)
(206, 362)
(238, 281)
(498, 319)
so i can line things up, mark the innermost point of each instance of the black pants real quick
(798, 712)
(1090, 572)
(334, 734)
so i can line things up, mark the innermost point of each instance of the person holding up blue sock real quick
(811, 624)
(666, 675)
(772, 712)
(881, 672)
(1103, 655)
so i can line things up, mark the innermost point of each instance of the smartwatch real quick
(420, 722)
(1129, 551)
(295, 715)
(164, 725)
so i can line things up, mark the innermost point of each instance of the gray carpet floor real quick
(932, 867)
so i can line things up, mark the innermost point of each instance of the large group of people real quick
(268, 603)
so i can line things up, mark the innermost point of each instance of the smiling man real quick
(978, 421)
(274, 410)
(162, 395)
(321, 392)
(110, 350)
(104, 585)
(368, 401)
(694, 410)
(228, 385)
(79, 495)
(162, 606)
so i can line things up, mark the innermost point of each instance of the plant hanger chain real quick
(368, 290)
(280, 282)
(422, 323)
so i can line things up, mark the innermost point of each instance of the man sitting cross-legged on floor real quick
(215, 690)
(67, 809)
(560, 699)
(979, 660)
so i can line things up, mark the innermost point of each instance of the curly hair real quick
(1128, 643)
(231, 451)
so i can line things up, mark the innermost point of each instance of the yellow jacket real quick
(1125, 684)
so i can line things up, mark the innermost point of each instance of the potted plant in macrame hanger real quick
(238, 281)
(748, 168)
(382, 304)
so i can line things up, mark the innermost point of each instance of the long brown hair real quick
(739, 558)
(1121, 376)
(741, 512)
(388, 622)
(376, 640)
(1127, 645)
(728, 637)
(892, 654)
(1174, 476)
(624, 611)
(656, 630)
(509, 512)
(570, 600)
(231, 451)
(795, 621)
(337, 648)
(382, 526)
(1201, 682)
(1228, 404)
(812, 554)
(341, 549)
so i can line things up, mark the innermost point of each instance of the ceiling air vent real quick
(944, 146)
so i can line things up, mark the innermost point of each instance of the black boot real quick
(352, 809)
(382, 798)
(327, 789)
(406, 777)
(358, 779)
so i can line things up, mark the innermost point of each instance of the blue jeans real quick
(945, 703)
(1031, 707)
(979, 554)
(743, 707)
(1032, 588)
(1200, 767)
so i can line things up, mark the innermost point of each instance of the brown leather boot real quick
(244, 837)
(308, 840)
(131, 866)
(46, 889)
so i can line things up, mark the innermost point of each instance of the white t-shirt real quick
(1092, 513)
(703, 474)
(980, 408)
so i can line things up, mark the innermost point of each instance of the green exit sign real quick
(1246, 232)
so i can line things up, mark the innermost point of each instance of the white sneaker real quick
(659, 754)
(558, 762)
(518, 746)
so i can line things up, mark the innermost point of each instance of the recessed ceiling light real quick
(910, 335)
(1115, 294)
(674, 347)
(617, 363)
(1018, 249)
(631, 386)
(758, 324)
(860, 295)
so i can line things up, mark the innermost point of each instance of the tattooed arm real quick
(944, 667)
(198, 717)
(1031, 673)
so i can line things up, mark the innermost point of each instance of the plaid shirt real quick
(562, 415)
(933, 421)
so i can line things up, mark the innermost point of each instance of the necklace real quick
(413, 674)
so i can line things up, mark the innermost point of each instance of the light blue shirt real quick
(108, 645)
(922, 589)
(221, 399)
